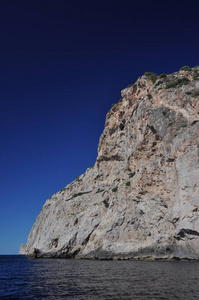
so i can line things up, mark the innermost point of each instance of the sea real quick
(23, 278)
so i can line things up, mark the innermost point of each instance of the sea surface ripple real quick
(23, 278)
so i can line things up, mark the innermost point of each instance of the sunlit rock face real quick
(141, 198)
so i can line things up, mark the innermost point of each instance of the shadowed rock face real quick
(141, 198)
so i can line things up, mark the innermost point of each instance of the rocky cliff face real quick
(141, 198)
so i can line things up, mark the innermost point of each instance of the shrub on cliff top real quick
(185, 68)
(151, 76)
(163, 75)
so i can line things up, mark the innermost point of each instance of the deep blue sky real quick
(62, 64)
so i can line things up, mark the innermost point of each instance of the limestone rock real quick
(141, 198)
(22, 250)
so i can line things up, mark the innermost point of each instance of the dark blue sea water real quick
(22, 278)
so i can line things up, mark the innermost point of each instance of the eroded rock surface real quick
(141, 198)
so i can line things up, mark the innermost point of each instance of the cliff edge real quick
(141, 198)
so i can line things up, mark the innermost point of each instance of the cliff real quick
(141, 198)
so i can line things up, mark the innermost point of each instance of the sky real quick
(62, 65)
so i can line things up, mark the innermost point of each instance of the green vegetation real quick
(128, 183)
(114, 189)
(149, 74)
(113, 104)
(170, 124)
(171, 84)
(195, 75)
(152, 76)
(177, 83)
(185, 68)
(163, 75)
